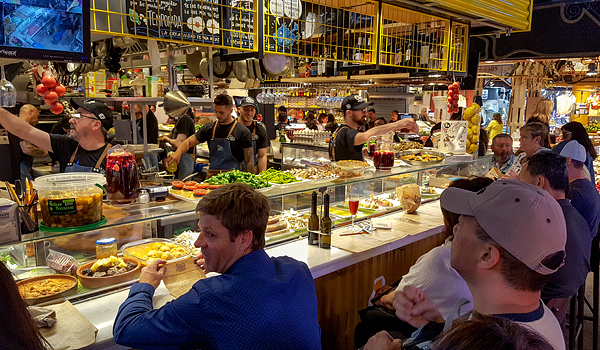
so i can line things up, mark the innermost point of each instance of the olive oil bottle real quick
(325, 238)
(313, 222)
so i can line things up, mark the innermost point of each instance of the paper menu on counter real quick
(71, 331)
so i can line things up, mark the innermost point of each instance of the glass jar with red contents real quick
(121, 175)
(383, 157)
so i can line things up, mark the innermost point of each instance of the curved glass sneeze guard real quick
(118, 216)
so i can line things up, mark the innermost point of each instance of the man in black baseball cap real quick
(247, 111)
(83, 149)
(347, 142)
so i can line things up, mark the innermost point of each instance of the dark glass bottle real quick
(313, 222)
(325, 238)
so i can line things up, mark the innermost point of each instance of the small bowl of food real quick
(108, 271)
(40, 289)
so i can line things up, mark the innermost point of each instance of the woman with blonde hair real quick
(542, 111)
(495, 126)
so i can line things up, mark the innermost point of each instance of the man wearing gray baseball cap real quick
(510, 238)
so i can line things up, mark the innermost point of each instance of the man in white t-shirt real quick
(510, 238)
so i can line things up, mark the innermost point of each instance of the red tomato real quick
(56, 108)
(60, 89)
(49, 81)
(456, 89)
(450, 93)
(40, 89)
(455, 97)
(50, 97)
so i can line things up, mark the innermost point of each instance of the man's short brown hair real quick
(223, 100)
(239, 208)
(516, 273)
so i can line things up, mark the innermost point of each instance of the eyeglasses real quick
(364, 110)
(566, 133)
(79, 116)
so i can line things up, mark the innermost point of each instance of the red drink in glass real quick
(353, 207)
(372, 149)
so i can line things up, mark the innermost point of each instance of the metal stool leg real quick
(580, 312)
(595, 264)
(572, 322)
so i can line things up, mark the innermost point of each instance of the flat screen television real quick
(52, 30)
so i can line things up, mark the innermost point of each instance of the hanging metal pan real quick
(274, 64)
(221, 69)
(204, 68)
(193, 62)
(240, 70)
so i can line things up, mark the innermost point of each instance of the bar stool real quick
(578, 302)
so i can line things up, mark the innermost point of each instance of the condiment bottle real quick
(325, 237)
(313, 222)
(106, 247)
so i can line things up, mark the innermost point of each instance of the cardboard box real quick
(9, 231)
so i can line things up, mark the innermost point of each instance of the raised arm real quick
(363, 137)
(24, 130)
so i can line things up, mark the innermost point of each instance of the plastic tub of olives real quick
(71, 199)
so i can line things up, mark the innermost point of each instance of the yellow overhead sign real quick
(511, 13)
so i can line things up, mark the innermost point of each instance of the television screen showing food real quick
(55, 30)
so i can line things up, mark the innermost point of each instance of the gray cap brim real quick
(457, 201)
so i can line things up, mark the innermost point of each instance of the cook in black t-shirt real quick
(240, 137)
(184, 128)
(345, 149)
(64, 147)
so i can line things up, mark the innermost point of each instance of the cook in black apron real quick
(254, 140)
(76, 168)
(221, 158)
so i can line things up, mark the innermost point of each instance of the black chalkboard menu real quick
(224, 23)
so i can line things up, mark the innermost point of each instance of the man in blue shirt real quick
(584, 196)
(257, 302)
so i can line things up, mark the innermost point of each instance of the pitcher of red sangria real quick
(383, 157)
(121, 175)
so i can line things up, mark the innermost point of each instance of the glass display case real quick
(168, 218)
(294, 153)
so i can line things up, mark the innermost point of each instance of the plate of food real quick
(40, 289)
(378, 203)
(422, 156)
(108, 271)
(430, 191)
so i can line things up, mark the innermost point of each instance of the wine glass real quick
(8, 93)
(353, 205)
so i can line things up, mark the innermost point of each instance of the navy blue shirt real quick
(258, 303)
(572, 274)
(585, 198)
(589, 161)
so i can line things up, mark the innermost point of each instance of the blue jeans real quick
(186, 166)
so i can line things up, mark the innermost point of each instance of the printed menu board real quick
(227, 23)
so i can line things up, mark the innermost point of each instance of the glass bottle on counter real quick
(314, 66)
(313, 222)
(325, 237)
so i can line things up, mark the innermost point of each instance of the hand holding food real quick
(172, 157)
(153, 273)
